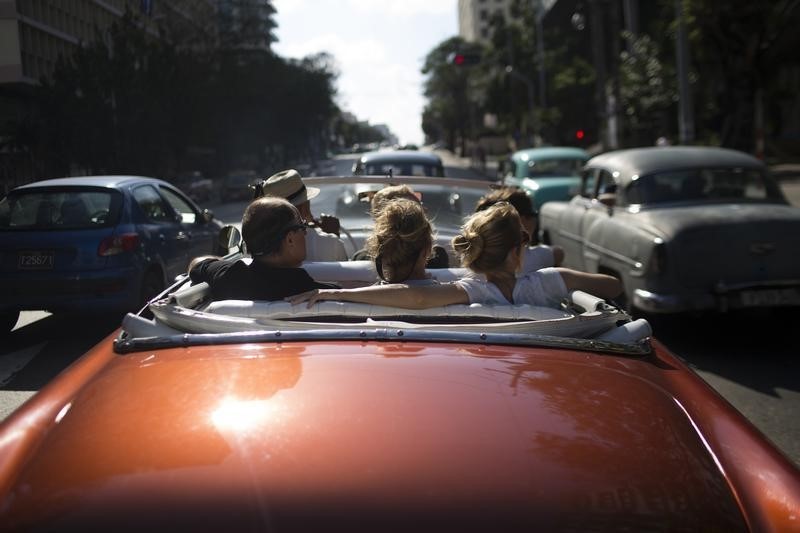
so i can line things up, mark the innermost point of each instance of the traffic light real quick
(579, 135)
(463, 59)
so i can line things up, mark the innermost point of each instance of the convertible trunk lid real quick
(372, 436)
(731, 244)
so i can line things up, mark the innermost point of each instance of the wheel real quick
(8, 319)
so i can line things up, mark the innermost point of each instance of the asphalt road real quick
(750, 359)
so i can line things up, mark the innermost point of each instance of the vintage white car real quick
(684, 228)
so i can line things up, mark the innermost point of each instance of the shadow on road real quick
(754, 349)
(58, 340)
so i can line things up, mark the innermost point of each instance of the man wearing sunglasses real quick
(275, 235)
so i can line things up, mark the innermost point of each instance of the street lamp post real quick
(529, 124)
(685, 106)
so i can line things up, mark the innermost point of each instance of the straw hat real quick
(287, 184)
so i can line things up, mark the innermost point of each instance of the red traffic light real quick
(580, 134)
(463, 59)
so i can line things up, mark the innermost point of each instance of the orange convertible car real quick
(256, 416)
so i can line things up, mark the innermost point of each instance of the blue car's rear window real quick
(60, 208)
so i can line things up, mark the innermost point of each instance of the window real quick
(587, 185)
(152, 205)
(180, 205)
(607, 185)
(701, 185)
(60, 208)
(555, 167)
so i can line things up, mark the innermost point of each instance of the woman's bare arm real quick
(600, 285)
(396, 295)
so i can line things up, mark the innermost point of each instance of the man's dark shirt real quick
(240, 281)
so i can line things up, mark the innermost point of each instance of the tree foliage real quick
(742, 54)
(128, 103)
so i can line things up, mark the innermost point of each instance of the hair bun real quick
(469, 246)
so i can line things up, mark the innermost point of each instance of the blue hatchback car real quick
(95, 244)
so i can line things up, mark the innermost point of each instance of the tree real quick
(648, 90)
(451, 107)
(741, 46)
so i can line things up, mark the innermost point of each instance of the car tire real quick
(8, 319)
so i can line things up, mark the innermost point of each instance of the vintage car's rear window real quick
(403, 169)
(702, 185)
(543, 168)
(62, 208)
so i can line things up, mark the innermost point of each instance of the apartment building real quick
(34, 33)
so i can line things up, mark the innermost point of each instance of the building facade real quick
(474, 17)
(34, 34)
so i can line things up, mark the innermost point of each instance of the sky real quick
(379, 47)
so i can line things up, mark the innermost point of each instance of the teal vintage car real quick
(551, 173)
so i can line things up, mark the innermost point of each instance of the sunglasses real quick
(275, 243)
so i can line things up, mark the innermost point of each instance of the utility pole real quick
(685, 106)
(539, 13)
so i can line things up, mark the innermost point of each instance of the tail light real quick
(117, 244)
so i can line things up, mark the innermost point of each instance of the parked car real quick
(684, 228)
(399, 163)
(236, 185)
(551, 173)
(196, 185)
(260, 416)
(95, 243)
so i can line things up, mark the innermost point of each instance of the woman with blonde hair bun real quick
(401, 243)
(491, 243)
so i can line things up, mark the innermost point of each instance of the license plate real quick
(39, 260)
(770, 297)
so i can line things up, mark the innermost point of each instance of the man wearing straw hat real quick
(320, 245)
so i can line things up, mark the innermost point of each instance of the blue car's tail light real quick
(117, 244)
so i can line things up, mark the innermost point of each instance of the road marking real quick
(13, 362)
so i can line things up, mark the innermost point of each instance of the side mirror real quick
(207, 216)
(230, 237)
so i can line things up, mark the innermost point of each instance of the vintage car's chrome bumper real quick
(651, 302)
(776, 294)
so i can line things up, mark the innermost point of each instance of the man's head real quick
(289, 185)
(273, 228)
(517, 198)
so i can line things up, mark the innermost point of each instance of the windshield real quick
(703, 185)
(545, 168)
(447, 206)
(60, 209)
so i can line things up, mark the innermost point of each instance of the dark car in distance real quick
(96, 243)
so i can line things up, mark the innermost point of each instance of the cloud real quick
(378, 47)
(404, 8)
